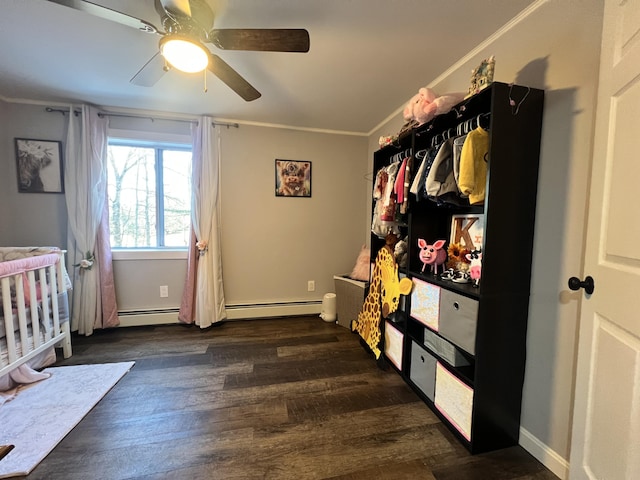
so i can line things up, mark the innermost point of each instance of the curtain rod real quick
(64, 111)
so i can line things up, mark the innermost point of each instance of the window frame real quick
(159, 142)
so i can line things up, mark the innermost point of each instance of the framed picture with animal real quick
(39, 164)
(293, 178)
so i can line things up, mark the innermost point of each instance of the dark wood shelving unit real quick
(493, 339)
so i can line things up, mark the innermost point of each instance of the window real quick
(149, 194)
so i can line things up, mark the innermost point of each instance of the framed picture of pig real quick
(293, 178)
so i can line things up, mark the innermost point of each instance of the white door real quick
(605, 441)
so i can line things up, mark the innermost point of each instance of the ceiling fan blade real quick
(107, 13)
(266, 40)
(233, 79)
(151, 72)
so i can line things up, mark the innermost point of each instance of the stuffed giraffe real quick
(382, 300)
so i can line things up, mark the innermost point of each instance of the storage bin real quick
(393, 341)
(350, 295)
(445, 349)
(423, 370)
(454, 399)
(458, 320)
(425, 303)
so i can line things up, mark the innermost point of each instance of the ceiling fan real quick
(187, 25)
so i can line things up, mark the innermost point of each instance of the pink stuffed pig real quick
(425, 107)
(444, 103)
(433, 255)
(421, 108)
(407, 113)
(426, 104)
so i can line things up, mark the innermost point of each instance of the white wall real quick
(555, 46)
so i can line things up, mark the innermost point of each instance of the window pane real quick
(177, 197)
(132, 196)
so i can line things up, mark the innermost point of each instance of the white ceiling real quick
(367, 57)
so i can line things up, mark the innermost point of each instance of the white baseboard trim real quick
(234, 312)
(545, 455)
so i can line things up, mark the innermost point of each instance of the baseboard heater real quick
(138, 318)
(240, 311)
(276, 309)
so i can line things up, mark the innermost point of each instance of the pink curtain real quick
(103, 255)
(187, 305)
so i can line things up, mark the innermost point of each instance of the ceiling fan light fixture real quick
(184, 53)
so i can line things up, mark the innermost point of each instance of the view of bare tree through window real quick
(177, 197)
(149, 195)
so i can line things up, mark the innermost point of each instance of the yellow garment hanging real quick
(473, 165)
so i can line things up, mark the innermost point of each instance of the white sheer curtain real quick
(85, 179)
(209, 305)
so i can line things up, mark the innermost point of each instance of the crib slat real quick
(42, 275)
(54, 300)
(35, 320)
(60, 270)
(22, 312)
(8, 319)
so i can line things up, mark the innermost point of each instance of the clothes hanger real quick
(420, 154)
(481, 117)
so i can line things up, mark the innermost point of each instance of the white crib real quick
(35, 308)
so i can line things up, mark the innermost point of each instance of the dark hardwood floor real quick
(289, 398)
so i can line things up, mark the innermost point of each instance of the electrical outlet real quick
(164, 291)
(311, 286)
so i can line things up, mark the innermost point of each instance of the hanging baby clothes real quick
(404, 206)
(458, 142)
(441, 185)
(384, 212)
(473, 165)
(398, 187)
(427, 156)
(388, 199)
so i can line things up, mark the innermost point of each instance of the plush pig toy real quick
(421, 107)
(433, 255)
(426, 104)
(407, 113)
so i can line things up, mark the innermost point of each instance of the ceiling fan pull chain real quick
(204, 72)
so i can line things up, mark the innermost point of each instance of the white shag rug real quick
(43, 413)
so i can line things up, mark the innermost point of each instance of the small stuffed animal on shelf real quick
(426, 104)
(433, 255)
(475, 269)
(401, 252)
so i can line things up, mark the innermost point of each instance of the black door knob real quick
(576, 284)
